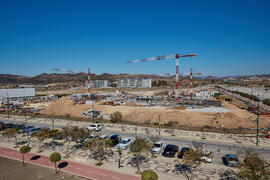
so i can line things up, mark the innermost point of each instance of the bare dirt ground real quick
(235, 118)
(12, 169)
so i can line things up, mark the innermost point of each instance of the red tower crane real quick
(191, 78)
(176, 56)
(89, 80)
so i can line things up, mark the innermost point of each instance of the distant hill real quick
(45, 78)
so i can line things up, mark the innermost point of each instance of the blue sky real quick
(230, 37)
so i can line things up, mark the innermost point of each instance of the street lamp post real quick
(119, 159)
(136, 128)
(27, 129)
(159, 124)
(258, 118)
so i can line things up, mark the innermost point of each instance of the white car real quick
(158, 146)
(94, 127)
(205, 158)
(124, 143)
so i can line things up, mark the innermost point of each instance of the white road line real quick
(102, 174)
(78, 168)
(115, 177)
(90, 171)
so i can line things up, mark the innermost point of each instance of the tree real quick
(139, 147)
(41, 135)
(67, 117)
(99, 146)
(78, 133)
(116, 116)
(254, 168)
(68, 132)
(149, 175)
(12, 132)
(193, 157)
(23, 150)
(55, 157)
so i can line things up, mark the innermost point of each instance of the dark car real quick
(230, 160)
(9, 125)
(2, 126)
(182, 152)
(170, 150)
(18, 126)
(115, 139)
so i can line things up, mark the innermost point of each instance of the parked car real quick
(59, 136)
(94, 127)
(9, 125)
(104, 136)
(2, 126)
(124, 143)
(158, 146)
(115, 139)
(182, 152)
(206, 159)
(26, 128)
(230, 160)
(32, 130)
(170, 150)
(206, 153)
(19, 126)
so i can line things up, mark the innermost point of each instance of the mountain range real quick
(45, 78)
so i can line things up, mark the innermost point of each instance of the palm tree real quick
(12, 132)
(23, 150)
(55, 157)
(139, 147)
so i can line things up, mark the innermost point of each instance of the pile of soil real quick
(235, 118)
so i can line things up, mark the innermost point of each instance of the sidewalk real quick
(68, 166)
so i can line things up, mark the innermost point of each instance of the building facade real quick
(134, 83)
(17, 93)
(98, 84)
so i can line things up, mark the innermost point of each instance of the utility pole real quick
(159, 125)
(136, 128)
(119, 159)
(93, 106)
(27, 130)
(8, 105)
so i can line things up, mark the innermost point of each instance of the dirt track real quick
(233, 119)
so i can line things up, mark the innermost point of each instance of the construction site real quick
(200, 106)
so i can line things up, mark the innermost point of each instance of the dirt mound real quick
(61, 106)
(234, 118)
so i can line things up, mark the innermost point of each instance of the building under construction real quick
(132, 83)
(98, 84)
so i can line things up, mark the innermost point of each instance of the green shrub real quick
(116, 117)
(149, 175)
(55, 157)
